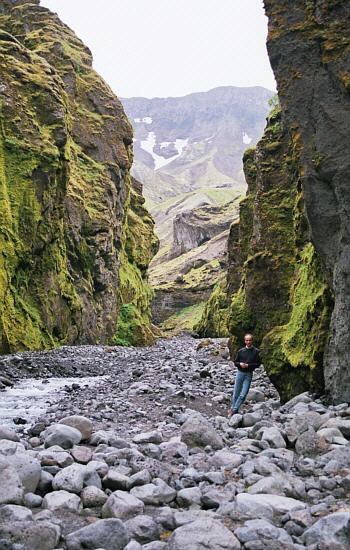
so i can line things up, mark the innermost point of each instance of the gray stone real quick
(249, 419)
(142, 528)
(114, 480)
(32, 501)
(279, 504)
(12, 512)
(148, 437)
(34, 535)
(332, 435)
(263, 531)
(109, 534)
(155, 545)
(310, 443)
(189, 497)
(62, 500)
(70, 479)
(140, 478)
(198, 432)
(28, 469)
(92, 496)
(122, 505)
(12, 490)
(226, 459)
(247, 505)
(62, 435)
(274, 438)
(7, 433)
(99, 437)
(81, 423)
(155, 493)
(235, 420)
(331, 532)
(343, 424)
(55, 456)
(133, 545)
(203, 534)
(255, 396)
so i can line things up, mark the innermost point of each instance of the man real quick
(246, 361)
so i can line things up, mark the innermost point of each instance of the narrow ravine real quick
(145, 456)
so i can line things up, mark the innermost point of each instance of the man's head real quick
(248, 340)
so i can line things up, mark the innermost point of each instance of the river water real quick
(30, 398)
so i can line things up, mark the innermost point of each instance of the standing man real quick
(246, 361)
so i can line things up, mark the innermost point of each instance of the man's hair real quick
(248, 334)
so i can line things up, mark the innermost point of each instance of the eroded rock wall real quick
(309, 48)
(65, 156)
(276, 284)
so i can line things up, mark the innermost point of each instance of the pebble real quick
(149, 459)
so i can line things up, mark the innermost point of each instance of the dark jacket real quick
(250, 356)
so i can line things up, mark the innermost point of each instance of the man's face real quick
(248, 340)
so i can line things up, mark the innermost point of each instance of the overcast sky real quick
(172, 47)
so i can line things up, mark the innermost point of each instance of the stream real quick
(29, 399)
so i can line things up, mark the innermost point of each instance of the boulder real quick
(109, 534)
(262, 531)
(142, 528)
(92, 496)
(28, 469)
(81, 423)
(203, 534)
(148, 437)
(155, 493)
(11, 488)
(70, 479)
(198, 432)
(279, 504)
(62, 435)
(310, 443)
(7, 433)
(62, 500)
(34, 535)
(273, 437)
(330, 532)
(122, 505)
(12, 512)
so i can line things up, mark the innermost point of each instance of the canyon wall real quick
(309, 49)
(66, 196)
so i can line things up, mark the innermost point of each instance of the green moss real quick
(186, 319)
(213, 322)
(134, 326)
(300, 343)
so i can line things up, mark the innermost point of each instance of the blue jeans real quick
(241, 388)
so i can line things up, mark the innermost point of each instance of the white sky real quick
(172, 47)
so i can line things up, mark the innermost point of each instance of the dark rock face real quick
(309, 48)
(275, 285)
(65, 156)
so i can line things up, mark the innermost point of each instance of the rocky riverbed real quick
(146, 458)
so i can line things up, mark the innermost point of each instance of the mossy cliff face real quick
(140, 245)
(65, 155)
(309, 48)
(275, 285)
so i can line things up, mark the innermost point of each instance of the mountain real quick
(75, 238)
(188, 154)
(197, 141)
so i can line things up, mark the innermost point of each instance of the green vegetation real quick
(186, 319)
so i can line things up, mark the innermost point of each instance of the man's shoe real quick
(230, 413)
(234, 411)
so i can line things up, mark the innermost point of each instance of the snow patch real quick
(246, 138)
(149, 143)
(145, 120)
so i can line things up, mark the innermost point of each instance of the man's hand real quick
(244, 365)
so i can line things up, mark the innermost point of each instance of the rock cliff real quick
(309, 48)
(276, 284)
(68, 212)
(289, 257)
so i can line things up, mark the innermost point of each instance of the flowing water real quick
(31, 397)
